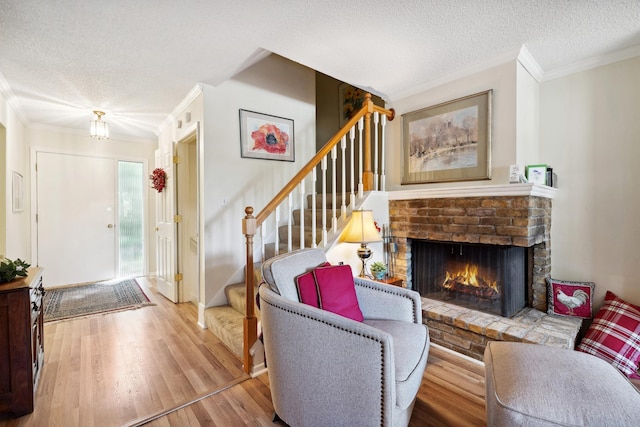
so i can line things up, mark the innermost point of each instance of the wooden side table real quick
(395, 281)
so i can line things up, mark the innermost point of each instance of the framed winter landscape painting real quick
(263, 136)
(448, 142)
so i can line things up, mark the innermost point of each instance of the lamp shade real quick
(361, 228)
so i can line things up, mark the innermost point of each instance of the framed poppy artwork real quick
(266, 137)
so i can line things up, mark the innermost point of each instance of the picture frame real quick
(266, 137)
(18, 192)
(350, 101)
(537, 174)
(449, 141)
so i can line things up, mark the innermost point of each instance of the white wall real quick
(273, 86)
(527, 118)
(17, 228)
(502, 79)
(590, 134)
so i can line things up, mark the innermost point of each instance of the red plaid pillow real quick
(614, 335)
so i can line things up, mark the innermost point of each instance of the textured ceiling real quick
(139, 59)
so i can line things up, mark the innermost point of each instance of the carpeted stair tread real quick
(237, 298)
(228, 325)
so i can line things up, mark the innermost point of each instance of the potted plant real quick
(378, 269)
(9, 270)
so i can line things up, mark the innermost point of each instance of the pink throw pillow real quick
(307, 289)
(614, 335)
(337, 292)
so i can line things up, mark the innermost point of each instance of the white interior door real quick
(166, 230)
(76, 218)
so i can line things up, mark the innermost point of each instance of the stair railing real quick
(368, 180)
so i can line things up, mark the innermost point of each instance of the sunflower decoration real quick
(271, 139)
(352, 103)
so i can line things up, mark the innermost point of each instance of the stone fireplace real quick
(508, 216)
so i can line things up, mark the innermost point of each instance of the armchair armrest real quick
(311, 351)
(381, 301)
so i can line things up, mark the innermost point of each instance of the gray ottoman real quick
(536, 385)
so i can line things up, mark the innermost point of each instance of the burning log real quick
(468, 282)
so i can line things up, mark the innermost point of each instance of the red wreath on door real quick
(158, 179)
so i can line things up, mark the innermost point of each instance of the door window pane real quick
(131, 218)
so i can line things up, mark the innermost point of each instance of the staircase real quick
(227, 321)
(357, 165)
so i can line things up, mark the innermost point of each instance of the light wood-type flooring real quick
(154, 366)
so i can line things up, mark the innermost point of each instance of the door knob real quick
(109, 225)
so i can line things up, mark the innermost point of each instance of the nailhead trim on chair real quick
(389, 291)
(353, 333)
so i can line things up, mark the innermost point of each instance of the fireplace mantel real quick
(511, 190)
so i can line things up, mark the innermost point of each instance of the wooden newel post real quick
(250, 320)
(367, 174)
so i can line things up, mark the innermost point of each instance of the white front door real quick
(76, 218)
(166, 229)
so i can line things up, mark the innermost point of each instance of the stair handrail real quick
(250, 223)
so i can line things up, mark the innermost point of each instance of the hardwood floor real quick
(155, 367)
(452, 394)
(111, 369)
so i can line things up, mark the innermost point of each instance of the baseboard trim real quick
(460, 355)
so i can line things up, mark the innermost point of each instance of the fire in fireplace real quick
(488, 278)
(469, 282)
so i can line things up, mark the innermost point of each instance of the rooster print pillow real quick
(569, 298)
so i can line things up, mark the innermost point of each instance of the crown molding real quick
(173, 116)
(593, 62)
(530, 64)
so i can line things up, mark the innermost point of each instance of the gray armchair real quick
(328, 370)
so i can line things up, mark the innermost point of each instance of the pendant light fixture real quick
(99, 129)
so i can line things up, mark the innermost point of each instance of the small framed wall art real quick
(18, 193)
(537, 174)
(448, 142)
(263, 136)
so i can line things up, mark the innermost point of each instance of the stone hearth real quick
(518, 215)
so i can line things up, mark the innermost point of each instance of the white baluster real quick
(277, 230)
(302, 205)
(290, 224)
(360, 183)
(352, 137)
(376, 117)
(334, 201)
(323, 166)
(343, 148)
(383, 176)
(263, 237)
(313, 210)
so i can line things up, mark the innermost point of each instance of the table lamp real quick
(362, 229)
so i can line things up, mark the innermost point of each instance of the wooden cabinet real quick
(21, 342)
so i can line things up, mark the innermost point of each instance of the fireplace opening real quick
(489, 278)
